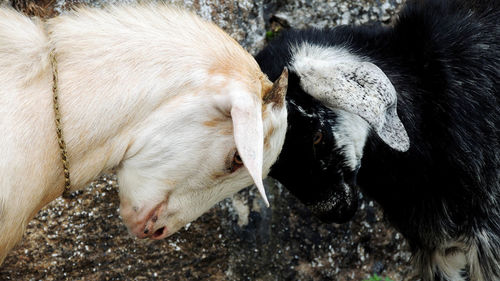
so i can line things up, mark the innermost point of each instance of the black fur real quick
(443, 58)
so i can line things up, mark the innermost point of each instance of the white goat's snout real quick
(146, 222)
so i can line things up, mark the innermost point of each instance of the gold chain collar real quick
(62, 145)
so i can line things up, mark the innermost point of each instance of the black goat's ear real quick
(358, 87)
(277, 93)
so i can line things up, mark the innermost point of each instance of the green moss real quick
(375, 277)
(270, 35)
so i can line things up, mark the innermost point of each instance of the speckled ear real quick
(358, 87)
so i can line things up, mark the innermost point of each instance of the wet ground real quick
(239, 239)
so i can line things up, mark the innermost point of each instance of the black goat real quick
(440, 62)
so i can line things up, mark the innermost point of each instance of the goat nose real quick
(146, 223)
(150, 228)
(149, 225)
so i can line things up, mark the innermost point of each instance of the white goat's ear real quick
(358, 87)
(246, 113)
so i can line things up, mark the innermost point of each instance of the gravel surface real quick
(239, 239)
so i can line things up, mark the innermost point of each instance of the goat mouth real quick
(150, 228)
(160, 233)
(338, 206)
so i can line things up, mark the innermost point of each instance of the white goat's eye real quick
(237, 162)
(317, 137)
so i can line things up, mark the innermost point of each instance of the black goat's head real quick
(335, 98)
(312, 164)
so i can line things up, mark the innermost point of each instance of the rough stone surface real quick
(319, 14)
(239, 239)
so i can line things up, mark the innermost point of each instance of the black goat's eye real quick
(237, 162)
(317, 137)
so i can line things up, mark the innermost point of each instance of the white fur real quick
(450, 263)
(350, 132)
(136, 93)
(306, 54)
(454, 257)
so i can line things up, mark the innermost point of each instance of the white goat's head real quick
(199, 148)
(204, 120)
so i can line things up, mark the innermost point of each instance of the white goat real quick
(165, 97)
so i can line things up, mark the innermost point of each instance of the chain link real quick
(59, 131)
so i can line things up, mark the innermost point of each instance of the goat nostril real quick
(159, 232)
(146, 231)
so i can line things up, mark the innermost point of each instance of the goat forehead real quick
(306, 52)
(311, 117)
